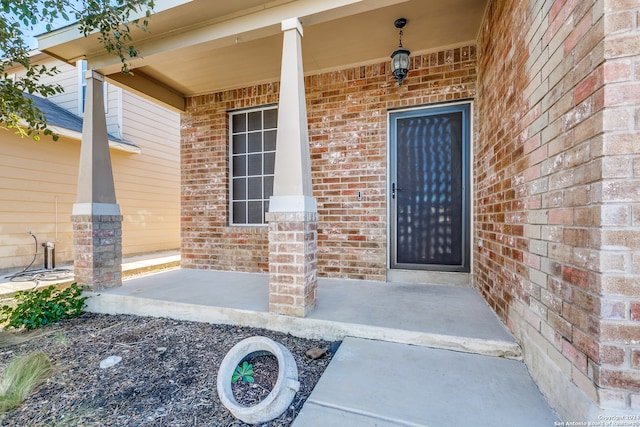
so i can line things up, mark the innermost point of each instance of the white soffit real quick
(204, 46)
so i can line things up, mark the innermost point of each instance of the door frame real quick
(391, 219)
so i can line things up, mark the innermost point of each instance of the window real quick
(81, 65)
(252, 149)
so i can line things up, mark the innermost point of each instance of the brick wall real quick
(347, 114)
(207, 241)
(556, 154)
(97, 245)
(618, 373)
(293, 262)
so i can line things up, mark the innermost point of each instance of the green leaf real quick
(111, 20)
(42, 307)
(243, 372)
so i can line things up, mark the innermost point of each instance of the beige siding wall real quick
(38, 179)
(113, 110)
(148, 184)
(68, 79)
(37, 191)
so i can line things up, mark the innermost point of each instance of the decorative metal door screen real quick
(429, 188)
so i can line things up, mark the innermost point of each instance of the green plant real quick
(42, 307)
(112, 21)
(243, 372)
(22, 375)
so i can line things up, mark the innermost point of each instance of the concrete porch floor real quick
(448, 317)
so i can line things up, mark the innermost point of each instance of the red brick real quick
(622, 94)
(635, 358)
(575, 356)
(561, 216)
(623, 333)
(560, 325)
(611, 355)
(515, 181)
(614, 310)
(622, 46)
(580, 319)
(622, 21)
(624, 380)
(616, 71)
(578, 33)
(621, 285)
(281, 299)
(586, 344)
(587, 86)
(635, 310)
(576, 276)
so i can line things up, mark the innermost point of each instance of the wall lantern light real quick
(400, 56)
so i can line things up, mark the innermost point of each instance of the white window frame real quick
(247, 160)
(81, 65)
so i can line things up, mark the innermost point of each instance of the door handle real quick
(394, 189)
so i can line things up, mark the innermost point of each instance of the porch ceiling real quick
(201, 46)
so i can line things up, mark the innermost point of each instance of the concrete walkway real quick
(373, 383)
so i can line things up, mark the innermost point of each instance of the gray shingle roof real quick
(59, 117)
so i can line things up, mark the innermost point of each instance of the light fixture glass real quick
(400, 57)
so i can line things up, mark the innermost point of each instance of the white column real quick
(97, 223)
(292, 216)
(96, 192)
(292, 182)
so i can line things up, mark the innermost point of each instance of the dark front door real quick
(429, 188)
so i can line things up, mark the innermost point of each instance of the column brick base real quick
(97, 244)
(293, 263)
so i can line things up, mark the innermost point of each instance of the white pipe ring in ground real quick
(278, 400)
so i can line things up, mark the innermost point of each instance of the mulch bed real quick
(167, 376)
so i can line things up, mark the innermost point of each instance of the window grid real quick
(252, 149)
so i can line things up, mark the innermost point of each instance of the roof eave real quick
(71, 32)
(116, 145)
